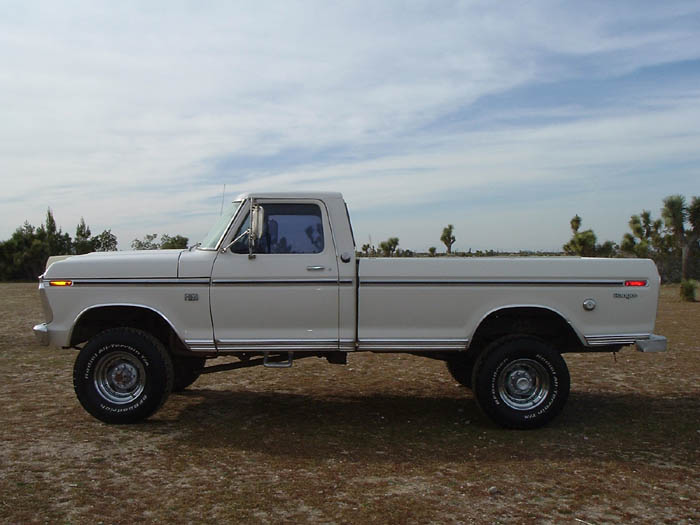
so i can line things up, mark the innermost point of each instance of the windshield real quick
(212, 238)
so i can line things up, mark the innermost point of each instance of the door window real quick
(288, 228)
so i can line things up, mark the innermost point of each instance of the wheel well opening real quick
(537, 322)
(102, 318)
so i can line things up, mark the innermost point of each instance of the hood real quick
(114, 265)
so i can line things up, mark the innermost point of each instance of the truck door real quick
(286, 297)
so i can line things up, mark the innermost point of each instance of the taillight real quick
(635, 283)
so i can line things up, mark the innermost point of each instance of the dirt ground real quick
(385, 439)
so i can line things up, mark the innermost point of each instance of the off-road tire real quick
(187, 370)
(122, 375)
(521, 382)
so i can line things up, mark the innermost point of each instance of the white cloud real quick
(106, 105)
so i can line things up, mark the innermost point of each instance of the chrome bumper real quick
(41, 331)
(655, 343)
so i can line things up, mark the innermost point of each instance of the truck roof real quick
(319, 195)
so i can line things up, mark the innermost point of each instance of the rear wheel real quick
(521, 382)
(122, 375)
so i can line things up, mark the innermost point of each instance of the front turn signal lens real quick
(635, 283)
(60, 283)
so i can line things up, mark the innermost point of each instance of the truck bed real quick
(435, 302)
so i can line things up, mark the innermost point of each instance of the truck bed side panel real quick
(430, 301)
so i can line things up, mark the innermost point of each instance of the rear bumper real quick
(655, 343)
(41, 331)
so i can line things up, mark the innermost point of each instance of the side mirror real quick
(257, 220)
(257, 223)
(242, 245)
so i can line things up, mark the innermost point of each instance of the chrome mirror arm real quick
(250, 232)
(234, 241)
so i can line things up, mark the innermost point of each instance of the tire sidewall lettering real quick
(551, 396)
(89, 376)
(494, 381)
(106, 348)
(122, 409)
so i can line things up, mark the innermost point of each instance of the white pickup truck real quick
(278, 279)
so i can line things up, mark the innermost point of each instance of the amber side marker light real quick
(60, 283)
(635, 283)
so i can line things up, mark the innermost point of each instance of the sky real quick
(502, 118)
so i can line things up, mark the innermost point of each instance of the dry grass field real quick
(385, 439)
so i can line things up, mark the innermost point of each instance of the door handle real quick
(315, 268)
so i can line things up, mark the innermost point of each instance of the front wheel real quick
(122, 375)
(521, 382)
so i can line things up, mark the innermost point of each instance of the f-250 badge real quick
(191, 297)
(625, 295)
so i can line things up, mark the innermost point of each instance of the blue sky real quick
(502, 118)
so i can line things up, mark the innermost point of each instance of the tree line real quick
(23, 256)
(672, 241)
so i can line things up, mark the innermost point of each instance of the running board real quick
(273, 362)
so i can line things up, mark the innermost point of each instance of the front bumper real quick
(655, 343)
(41, 331)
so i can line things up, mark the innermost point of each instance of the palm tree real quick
(583, 243)
(389, 246)
(447, 238)
(575, 223)
(646, 238)
(693, 234)
(676, 213)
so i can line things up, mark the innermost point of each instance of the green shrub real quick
(689, 290)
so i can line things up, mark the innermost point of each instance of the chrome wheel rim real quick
(120, 377)
(523, 384)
